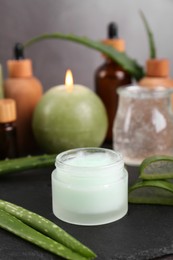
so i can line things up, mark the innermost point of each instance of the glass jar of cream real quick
(89, 186)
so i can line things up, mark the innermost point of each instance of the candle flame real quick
(69, 81)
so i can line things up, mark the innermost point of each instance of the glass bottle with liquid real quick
(109, 76)
(8, 137)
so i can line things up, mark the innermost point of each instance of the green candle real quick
(69, 116)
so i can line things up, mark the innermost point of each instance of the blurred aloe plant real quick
(150, 36)
(121, 58)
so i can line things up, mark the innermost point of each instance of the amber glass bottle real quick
(26, 90)
(109, 76)
(8, 137)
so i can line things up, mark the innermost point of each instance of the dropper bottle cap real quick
(18, 51)
(157, 67)
(7, 110)
(112, 31)
(113, 39)
(19, 67)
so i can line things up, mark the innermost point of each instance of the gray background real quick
(20, 20)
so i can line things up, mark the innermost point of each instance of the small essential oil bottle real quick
(22, 86)
(109, 76)
(8, 136)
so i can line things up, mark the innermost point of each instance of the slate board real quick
(146, 232)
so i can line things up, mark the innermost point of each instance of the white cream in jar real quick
(90, 186)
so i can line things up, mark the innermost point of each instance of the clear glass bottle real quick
(109, 76)
(8, 137)
(143, 125)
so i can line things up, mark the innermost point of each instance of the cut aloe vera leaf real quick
(17, 227)
(152, 192)
(157, 167)
(46, 227)
(26, 163)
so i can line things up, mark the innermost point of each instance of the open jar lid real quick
(90, 164)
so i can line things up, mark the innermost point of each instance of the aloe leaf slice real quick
(157, 167)
(152, 192)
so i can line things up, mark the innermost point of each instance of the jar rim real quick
(136, 91)
(116, 158)
(115, 179)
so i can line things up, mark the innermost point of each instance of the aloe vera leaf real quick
(150, 36)
(121, 58)
(26, 163)
(151, 192)
(47, 227)
(17, 227)
(157, 167)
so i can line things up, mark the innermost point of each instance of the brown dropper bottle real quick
(26, 90)
(8, 137)
(157, 74)
(109, 76)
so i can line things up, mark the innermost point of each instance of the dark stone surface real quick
(146, 232)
